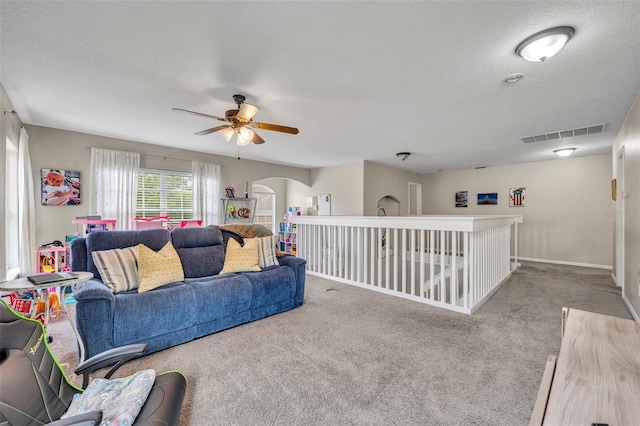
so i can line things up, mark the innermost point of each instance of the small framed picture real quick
(60, 187)
(462, 198)
(488, 198)
(517, 197)
(230, 193)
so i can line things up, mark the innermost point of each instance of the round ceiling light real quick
(543, 45)
(564, 152)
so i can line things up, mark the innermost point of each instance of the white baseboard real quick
(615, 281)
(563, 262)
(633, 311)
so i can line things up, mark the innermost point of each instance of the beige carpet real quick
(353, 356)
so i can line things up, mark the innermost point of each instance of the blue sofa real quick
(203, 303)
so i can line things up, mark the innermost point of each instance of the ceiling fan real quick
(241, 123)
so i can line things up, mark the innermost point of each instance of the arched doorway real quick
(265, 213)
(388, 206)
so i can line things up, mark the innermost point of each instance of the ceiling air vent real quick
(564, 134)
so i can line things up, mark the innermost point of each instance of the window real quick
(265, 206)
(164, 193)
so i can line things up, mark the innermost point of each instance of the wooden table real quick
(597, 377)
(24, 284)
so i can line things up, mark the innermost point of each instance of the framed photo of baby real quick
(60, 187)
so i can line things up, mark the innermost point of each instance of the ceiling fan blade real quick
(211, 130)
(257, 139)
(199, 113)
(247, 111)
(276, 128)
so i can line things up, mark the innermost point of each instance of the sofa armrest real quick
(92, 289)
(298, 265)
(95, 307)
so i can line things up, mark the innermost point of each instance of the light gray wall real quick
(567, 216)
(61, 149)
(344, 182)
(380, 180)
(629, 138)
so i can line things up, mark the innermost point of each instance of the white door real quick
(415, 199)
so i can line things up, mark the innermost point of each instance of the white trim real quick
(615, 281)
(564, 262)
(484, 299)
(633, 311)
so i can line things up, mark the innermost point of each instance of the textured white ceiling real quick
(361, 80)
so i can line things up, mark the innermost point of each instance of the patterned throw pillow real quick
(118, 268)
(266, 250)
(158, 269)
(120, 400)
(241, 259)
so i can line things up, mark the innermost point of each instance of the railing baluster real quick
(413, 261)
(404, 260)
(395, 259)
(454, 268)
(372, 256)
(422, 278)
(432, 264)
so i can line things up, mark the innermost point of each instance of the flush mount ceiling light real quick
(403, 155)
(543, 45)
(564, 152)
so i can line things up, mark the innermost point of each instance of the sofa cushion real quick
(221, 296)
(266, 251)
(201, 251)
(138, 317)
(158, 269)
(273, 285)
(155, 239)
(241, 259)
(118, 268)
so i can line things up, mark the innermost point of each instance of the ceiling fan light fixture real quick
(248, 111)
(245, 133)
(564, 152)
(545, 44)
(227, 133)
(242, 141)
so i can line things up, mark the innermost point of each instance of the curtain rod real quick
(164, 157)
(13, 111)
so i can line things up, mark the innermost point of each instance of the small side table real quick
(21, 284)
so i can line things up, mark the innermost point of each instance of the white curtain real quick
(26, 209)
(114, 185)
(206, 178)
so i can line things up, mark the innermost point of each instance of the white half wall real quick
(568, 216)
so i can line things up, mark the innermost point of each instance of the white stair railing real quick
(454, 262)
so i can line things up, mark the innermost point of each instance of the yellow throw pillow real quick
(241, 259)
(158, 269)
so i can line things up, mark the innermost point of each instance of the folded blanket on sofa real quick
(246, 230)
(250, 230)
